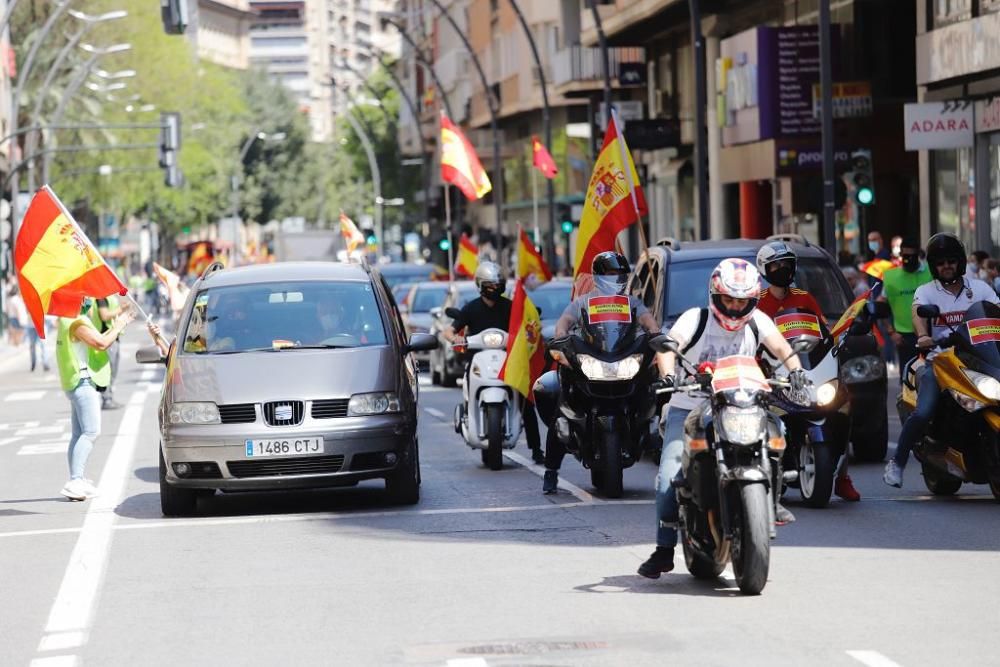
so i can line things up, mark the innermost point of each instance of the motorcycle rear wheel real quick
(816, 472)
(938, 482)
(493, 454)
(751, 547)
(612, 483)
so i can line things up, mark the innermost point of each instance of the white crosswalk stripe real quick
(25, 396)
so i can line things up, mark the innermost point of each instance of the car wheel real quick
(175, 501)
(403, 485)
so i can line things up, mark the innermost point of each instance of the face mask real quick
(781, 276)
(972, 268)
(873, 246)
(610, 285)
(911, 263)
(491, 292)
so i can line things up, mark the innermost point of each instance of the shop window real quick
(947, 12)
(953, 175)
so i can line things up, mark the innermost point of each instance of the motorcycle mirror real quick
(928, 312)
(453, 313)
(664, 343)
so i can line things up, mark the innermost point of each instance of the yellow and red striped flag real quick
(614, 201)
(352, 235)
(525, 350)
(467, 260)
(541, 159)
(57, 266)
(460, 165)
(529, 260)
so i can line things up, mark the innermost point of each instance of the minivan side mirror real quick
(421, 342)
(149, 354)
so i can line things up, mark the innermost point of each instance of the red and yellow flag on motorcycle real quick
(847, 319)
(525, 349)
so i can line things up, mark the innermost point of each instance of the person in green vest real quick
(899, 286)
(84, 366)
(103, 315)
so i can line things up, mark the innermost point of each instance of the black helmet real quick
(610, 270)
(946, 246)
(777, 263)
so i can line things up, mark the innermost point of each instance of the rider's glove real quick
(665, 382)
(798, 379)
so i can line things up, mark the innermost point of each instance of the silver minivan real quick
(288, 375)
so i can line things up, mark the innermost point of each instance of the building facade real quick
(222, 32)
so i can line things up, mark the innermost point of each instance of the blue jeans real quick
(86, 403)
(916, 424)
(670, 467)
(35, 340)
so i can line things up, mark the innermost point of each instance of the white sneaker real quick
(893, 475)
(78, 489)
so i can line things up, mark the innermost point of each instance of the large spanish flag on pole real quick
(460, 165)
(525, 350)
(529, 260)
(468, 257)
(57, 266)
(614, 201)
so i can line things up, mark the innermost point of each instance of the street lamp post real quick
(237, 181)
(376, 174)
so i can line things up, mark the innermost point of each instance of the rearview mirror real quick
(421, 342)
(149, 355)
(453, 313)
(664, 343)
(928, 312)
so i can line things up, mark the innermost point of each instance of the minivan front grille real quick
(283, 413)
(304, 465)
(330, 408)
(238, 413)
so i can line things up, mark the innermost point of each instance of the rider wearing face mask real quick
(899, 286)
(492, 311)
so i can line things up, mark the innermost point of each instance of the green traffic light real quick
(567, 227)
(372, 240)
(866, 196)
(444, 244)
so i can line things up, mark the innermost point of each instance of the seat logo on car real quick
(283, 412)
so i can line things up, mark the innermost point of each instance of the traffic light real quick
(170, 143)
(444, 244)
(567, 226)
(863, 178)
(564, 213)
(372, 239)
(174, 14)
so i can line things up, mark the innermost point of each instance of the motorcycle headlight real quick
(376, 403)
(826, 393)
(194, 413)
(968, 403)
(986, 385)
(493, 339)
(623, 369)
(862, 369)
(742, 426)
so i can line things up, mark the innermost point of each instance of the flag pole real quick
(628, 175)
(447, 222)
(145, 316)
(534, 199)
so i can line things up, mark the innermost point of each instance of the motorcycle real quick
(494, 421)
(817, 426)
(731, 467)
(600, 404)
(962, 443)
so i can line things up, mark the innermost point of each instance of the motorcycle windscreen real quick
(981, 329)
(738, 372)
(797, 323)
(609, 323)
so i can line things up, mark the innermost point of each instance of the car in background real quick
(396, 273)
(288, 375)
(446, 366)
(672, 277)
(400, 292)
(417, 305)
(551, 299)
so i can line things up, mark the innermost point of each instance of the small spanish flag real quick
(460, 165)
(542, 159)
(525, 350)
(529, 260)
(57, 266)
(352, 235)
(468, 257)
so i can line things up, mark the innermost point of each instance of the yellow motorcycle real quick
(962, 443)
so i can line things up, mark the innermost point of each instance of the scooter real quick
(489, 417)
(962, 444)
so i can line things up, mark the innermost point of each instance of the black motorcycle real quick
(601, 405)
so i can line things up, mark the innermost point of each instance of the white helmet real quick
(487, 272)
(736, 279)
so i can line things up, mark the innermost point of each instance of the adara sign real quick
(938, 125)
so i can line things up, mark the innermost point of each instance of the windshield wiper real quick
(317, 346)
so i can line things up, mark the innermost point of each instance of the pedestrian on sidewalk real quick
(17, 316)
(84, 368)
(37, 347)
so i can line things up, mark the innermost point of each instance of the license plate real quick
(263, 449)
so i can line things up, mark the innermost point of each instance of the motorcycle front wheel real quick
(493, 455)
(751, 547)
(612, 483)
(816, 471)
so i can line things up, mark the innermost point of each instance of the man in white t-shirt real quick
(730, 325)
(953, 293)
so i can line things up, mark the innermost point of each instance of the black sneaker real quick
(537, 455)
(660, 562)
(550, 481)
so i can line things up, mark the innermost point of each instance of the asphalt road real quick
(484, 571)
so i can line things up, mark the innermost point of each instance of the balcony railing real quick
(579, 64)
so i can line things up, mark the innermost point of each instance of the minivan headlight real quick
(194, 413)
(377, 403)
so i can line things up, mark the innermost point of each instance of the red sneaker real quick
(844, 488)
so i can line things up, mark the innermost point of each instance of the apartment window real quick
(947, 12)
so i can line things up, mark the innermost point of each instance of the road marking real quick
(43, 448)
(41, 430)
(582, 495)
(872, 659)
(437, 414)
(7, 441)
(24, 396)
(467, 662)
(70, 617)
(55, 661)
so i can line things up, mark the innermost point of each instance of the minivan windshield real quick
(284, 315)
(687, 286)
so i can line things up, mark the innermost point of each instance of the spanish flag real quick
(852, 312)
(57, 266)
(467, 260)
(460, 165)
(352, 235)
(529, 260)
(542, 159)
(525, 351)
(200, 258)
(614, 201)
